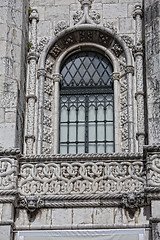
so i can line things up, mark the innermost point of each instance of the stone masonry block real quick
(115, 10)
(62, 216)
(1, 115)
(5, 232)
(127, 25)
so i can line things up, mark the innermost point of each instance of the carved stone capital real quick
(33, 55)
(137, 11)
(86, 2)
(31, 96)
(115, 76)
(29, 137)
(41, 72)
(57, 77)
(138, 50)
(129, 69)
(34, 15)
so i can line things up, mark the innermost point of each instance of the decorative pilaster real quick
(138, 54)
(31, 88)
(131, 142)
(56, 79)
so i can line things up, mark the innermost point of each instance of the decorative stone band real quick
(41, 72)
(139, 93)
(137, 11)
(57, 77)
(115, 76)
(10, 152)
(33, 55)
(29, 137)
(131, 200)
(154, 220)
(34, 15)
(31, 96)
(129, 69)
(88, 177)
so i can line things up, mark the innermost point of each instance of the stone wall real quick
(13, 27)
(152, 46)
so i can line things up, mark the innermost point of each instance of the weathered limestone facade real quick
(42, 190)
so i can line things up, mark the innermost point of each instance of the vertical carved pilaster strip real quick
(56, 78)
(131, 142)
(41, 74)
(31, 88)
(138, 54)
(115, 79)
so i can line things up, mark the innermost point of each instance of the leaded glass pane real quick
(86, 104)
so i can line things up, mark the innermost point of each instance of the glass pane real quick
(63, 132)
(100, 131)
(91, 115)
(72, 132)
(64, 115)
(72, 148)
(109, 148)
(63, 148)
(100, 113)
(92, 148)
(72, 113)
(100, 148)
(109, 131)
(81, 113)
(81, 148)
(109, 113)
(81, 132)
(91, 132)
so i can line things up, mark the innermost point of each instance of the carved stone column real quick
(56, 78)
(131, 142)
(138, 54)
(31, 88)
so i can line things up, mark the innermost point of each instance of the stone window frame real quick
(117, 75)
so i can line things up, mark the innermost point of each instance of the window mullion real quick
(86, 123)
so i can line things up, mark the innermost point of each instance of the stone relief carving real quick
(77, 16)
(128, 40)
(95, 16)
(153, 170)
(8, 173)
(42, 43)
(110, 25)
(133, 200)
(117, 49)
(31, 203)
(60, 26)
(81, 178)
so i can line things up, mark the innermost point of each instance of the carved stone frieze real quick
(8, 173)
(81, 178)
(60, 26)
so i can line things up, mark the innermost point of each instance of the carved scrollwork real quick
(8, 173)
(110, 25)
(42, 43)
(81, 178)
(128, 40)
(77, 16)
(117, 49)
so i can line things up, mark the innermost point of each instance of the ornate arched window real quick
(86, 104)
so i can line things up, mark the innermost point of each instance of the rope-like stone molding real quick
(105, 156)
(8, 192)
(12, 151)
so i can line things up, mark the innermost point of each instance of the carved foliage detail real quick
(81, 178)
(153, 170)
